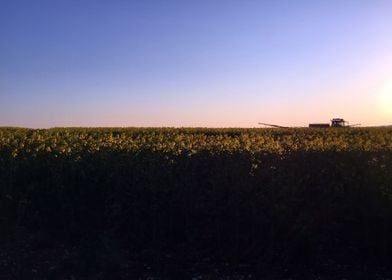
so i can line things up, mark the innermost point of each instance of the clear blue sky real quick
(194, 62)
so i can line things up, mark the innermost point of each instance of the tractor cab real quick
(338, 123)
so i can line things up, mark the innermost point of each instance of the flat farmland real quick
(173, 203)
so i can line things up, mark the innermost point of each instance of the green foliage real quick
(75, 142)
(237, 195)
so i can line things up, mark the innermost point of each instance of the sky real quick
(186, 63)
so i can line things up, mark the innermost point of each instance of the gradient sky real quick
(194, 62)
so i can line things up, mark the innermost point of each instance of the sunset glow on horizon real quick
(385, 99)
(194, 63)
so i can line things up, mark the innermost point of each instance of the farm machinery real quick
(336, 122)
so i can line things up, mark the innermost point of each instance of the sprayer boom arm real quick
(273, 125)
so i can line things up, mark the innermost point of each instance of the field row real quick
(75, 141)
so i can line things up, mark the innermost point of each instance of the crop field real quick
(172, 203)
